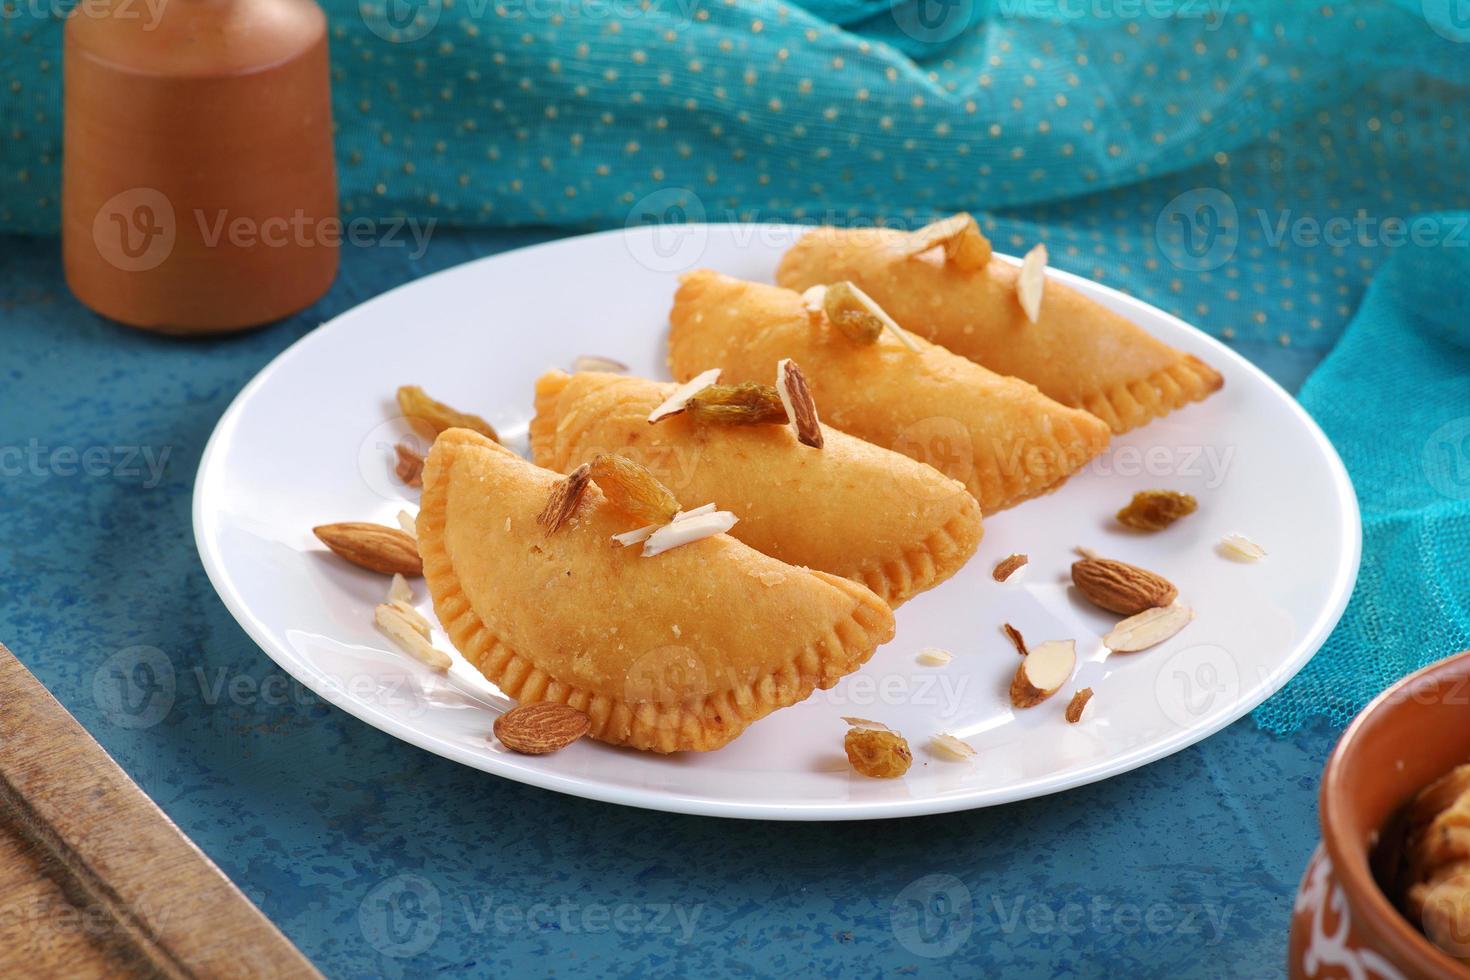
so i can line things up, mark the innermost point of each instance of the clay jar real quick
(1343, 925)
(199, 191)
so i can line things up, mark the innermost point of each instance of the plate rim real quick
(666, 801)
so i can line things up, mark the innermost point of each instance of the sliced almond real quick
(1031, 282)
(402, 631)
(372, 546)
(399, 590)
(695, 512)
(1149, 628)
(413, 617)
(965, 247)
(409, 525)
(687, 530)
(1042, 673)
(1120, 587)
(858, 316)
(591, 362)
(1241, 548)
(1078, 704)
(935, 657)
(796, 398)
(865, 723)
(541, 728)
(814, 298)
(1008, 567)
(410, 465)
(679, 400)
(636, 536)
(946, 746)
(564, 498)
(1017, 640)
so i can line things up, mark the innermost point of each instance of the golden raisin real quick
(415, 403)
(632, 489)
(746, 403)
(848, 313)
(1154, 510)
(877, 753)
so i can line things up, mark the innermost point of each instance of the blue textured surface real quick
(377, 858)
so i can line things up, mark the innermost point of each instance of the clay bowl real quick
(1343, 924)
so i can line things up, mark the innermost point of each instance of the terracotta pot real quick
(1343, 925)
(199, 192)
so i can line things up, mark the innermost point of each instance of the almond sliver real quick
(688, 530)
(1031, 282)
(679, 400)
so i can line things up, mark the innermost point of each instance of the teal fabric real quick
(1394, 398)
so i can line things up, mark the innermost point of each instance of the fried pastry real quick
(680, 651)
(849, 508)
(999, 436)
(1077, 352)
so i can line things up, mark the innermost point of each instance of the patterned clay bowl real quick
(1343, 925)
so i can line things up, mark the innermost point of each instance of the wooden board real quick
(95, 880)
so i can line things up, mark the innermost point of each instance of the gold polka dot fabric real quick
(1218, 159)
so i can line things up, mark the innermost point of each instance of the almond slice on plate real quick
(1031, 282)
(935, 657)
(399, 590)
(1017, 640)
(1046, 668)
(1149, 628)
(1078, 705)
(409, 525)
(796, 398)
(402, 631)
(1008, 567)
(591, 362)
(679, 400)
(1241, 548)
(946, 746)
(409, 466)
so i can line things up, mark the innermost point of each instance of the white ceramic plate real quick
(309, 441)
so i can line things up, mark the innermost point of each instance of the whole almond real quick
(373, 546)
(536, 729)
(1121, 588)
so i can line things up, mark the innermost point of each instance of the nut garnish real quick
(858, 317)
(877, 752)
(679, 400)
(564, 498)
(796, 399)
(1121, 588)
(1008, 567)
(1031, 282)
(632, 489)
(413, 617)
(636, 536)
(1014, 635)
(935, 657)
(865, 723)
(1042, 673)
(399, 589)
(591, 362)
(1241, 548)
(1149, 628)
(746, 403)
(1078, 704)
(416, 404)
(404, 632)
(1154, 510)
(964, 246)
(410, 465)
(946, 746)
(687, 530)
(540, 728)
(372, 546)
(409, 525)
